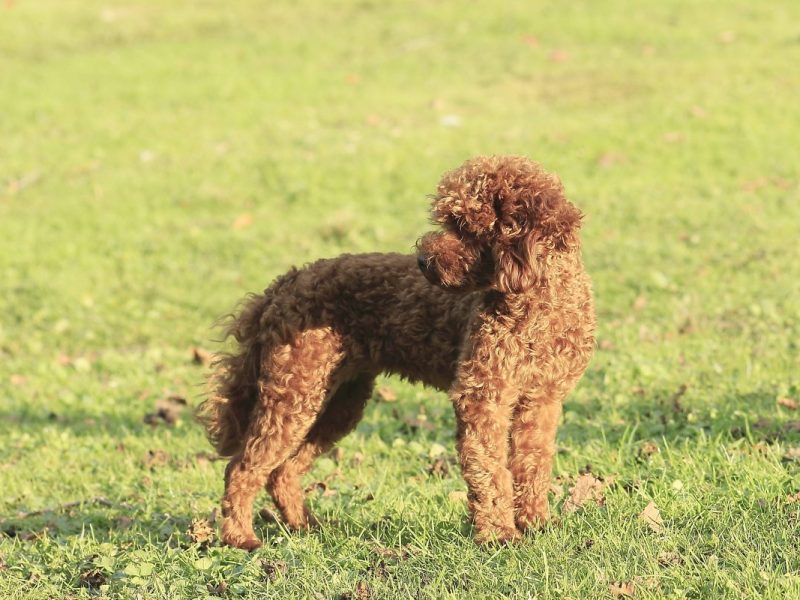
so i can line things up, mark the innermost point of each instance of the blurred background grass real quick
(159, 160)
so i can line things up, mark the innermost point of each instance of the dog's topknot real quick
(503, 196)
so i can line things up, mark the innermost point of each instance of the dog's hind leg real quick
(341, 416)
(293, 387)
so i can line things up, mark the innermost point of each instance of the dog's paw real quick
(497, 535)
(249, 544)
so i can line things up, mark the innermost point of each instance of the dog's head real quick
(501, 218)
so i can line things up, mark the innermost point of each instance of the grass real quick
(159, 160)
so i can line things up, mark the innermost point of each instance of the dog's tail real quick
(226, 413)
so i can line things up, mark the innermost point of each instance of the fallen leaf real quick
(362, 591)
(647, 449)
(201, 532)
(639, 303)
(217, 589)
(620, 589)
(392, 553)
(386, 394)
(457, 496)
(156, 458)
(439, 467)
(167, 411)
(698, 112)
(18, 379)
(674, 137)
(557, 490)
(587, 488)
(530, 40)
(92, 579)
(652, 517)
(274, 568)
(243, 221)
(789, 403)
(559, 56)
(670, 559)
(609, 159)
(436, 450)
(418, 422)
(793, 498)
(791, 455)
(202, 357)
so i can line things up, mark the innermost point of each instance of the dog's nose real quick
(422, 263)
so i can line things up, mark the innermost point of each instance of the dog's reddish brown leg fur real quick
(533, 436)
(483, 406)
(342, 414)
(297, 378)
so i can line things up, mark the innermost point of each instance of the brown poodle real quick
(495, 308)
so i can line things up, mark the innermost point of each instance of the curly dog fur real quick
(495, 308)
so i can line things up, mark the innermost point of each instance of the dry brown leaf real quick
(647, 449)
(789, 403)
(201, 532)
(274, 568)
(622, 589)
(217, 589)
(362, 591)
(243, 221)
(557, 490)
(386, 394)
(674, 137)
(792, 498)
(639, 303)
(792, 455)
(587, 488)
(609, 159)
(92, 579)
(18, 379)
(156, 458)
(439, 467)
(202, 357)
(670, 559)
(457, 496)
(167, 410)
(652, 517)
(559, 56)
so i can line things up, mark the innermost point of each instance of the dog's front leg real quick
(533, 435)
(483, 414)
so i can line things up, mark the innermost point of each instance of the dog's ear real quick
(521, 261)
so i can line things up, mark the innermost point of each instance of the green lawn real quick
(160, 159)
